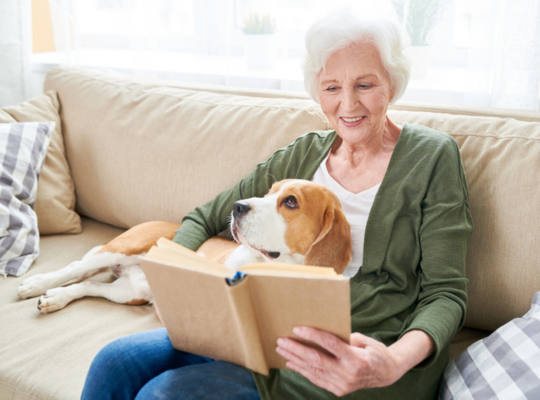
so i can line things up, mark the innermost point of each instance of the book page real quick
(200, 313)
(175, 254)
(187, 261)
(165, 243)
(282, 302)
(277, 269)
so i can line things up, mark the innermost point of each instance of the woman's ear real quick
(333, 247)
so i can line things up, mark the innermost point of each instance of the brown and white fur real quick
(297, 222)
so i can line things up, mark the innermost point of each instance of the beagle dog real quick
(297, 222)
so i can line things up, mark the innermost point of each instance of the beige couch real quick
(141, 150)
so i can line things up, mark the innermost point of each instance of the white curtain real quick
(65, 31)
(510, 60)
(15, 50)
(485, 52)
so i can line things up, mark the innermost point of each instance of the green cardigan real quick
(413, 271)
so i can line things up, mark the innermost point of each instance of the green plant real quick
(419, 18)
(255, 24)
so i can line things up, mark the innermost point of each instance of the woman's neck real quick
(377, 145)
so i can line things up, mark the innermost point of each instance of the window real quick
(468, 62)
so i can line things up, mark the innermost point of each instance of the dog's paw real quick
(34, 286)
(53, 300)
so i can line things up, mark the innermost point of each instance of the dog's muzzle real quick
(240, 209)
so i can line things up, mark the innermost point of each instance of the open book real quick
(238, 316)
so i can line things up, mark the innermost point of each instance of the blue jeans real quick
(147, 366)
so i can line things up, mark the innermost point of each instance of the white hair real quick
(336, 32)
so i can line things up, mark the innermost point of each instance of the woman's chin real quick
(353, 133)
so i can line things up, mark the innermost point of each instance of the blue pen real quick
(237, 278)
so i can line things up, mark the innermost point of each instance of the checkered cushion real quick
(505, 365)
(23, 147)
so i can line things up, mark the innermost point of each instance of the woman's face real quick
(354, 92)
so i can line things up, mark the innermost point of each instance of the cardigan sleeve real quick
(444, 233)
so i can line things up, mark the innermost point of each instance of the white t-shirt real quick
(356, 207)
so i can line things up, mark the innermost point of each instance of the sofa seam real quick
(193, 90)
(491, 136)
(17, 389)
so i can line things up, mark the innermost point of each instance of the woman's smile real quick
(352, 121)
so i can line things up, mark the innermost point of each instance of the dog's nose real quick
(240, 208)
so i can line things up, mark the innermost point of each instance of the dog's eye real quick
(290, 202)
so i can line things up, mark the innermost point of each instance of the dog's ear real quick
(333, 247)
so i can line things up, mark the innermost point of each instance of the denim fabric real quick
(146, 366)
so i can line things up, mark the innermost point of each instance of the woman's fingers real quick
(303, 355)
(343, 367)
(328, 341)
(339, 355)
(320, 369)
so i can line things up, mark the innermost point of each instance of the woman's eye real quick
(364, 86)
(332, 89)
(290, 202)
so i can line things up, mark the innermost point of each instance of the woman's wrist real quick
(411, 349)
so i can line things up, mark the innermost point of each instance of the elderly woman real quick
(408, 285)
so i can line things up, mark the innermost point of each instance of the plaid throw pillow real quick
(505, 365)
(23, 147)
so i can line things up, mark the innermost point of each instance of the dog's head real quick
(295, 217)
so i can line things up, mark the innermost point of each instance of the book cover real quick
(237, 316)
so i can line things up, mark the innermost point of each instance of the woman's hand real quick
(365, 363)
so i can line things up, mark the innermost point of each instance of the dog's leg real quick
(130, 288)
(77, 271)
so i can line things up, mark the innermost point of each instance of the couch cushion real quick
(55, 200)
(501, 157)
(23, 147)
(464, 338)
(143, 152)
(48, 356)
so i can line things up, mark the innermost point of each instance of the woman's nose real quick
(349, 100)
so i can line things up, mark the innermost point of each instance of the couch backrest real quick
(144, 150)
(141, 152)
